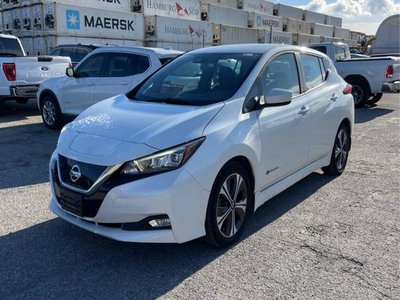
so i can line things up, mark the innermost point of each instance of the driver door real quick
(78, 91)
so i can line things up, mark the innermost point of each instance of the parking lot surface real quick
(325, 237)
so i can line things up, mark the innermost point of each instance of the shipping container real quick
(224, 15)
(27, 43)
(37, 17)
(225, 35)
(333, 21)
(278, 37)
(43, 45)
(176, 45)
(7, 20)
(182, 9)
(319, 29)
(314, 17)
(286, 11)
(164, 29)
(120, 5)
(302, 39)
(267, 22)
(66, 20)
(10, 4)
(330, 39)
(341, 33)
(351, 43)
(259, 6)
(296, 26)
(225, 3)
(16, 18)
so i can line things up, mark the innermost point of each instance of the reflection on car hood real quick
(155, 124)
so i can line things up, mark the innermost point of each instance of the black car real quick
(75, 51)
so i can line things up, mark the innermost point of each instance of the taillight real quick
(389, 71)
(347, 90)
(10, 71)
(70, 65)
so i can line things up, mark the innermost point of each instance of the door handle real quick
(334, 97)
(91, 83)
(304, 110)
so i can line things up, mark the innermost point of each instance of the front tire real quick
(340, 152)
(51, 114)
(229, 205)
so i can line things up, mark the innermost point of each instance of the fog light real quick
(156, 223)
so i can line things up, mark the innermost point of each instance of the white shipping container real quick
(43, 45)
(164, 29)
(225, 35)
(89, 22)
(314, 17)
(7, 20)
(120, 5)
(341, 33)
(225, 3)
(319, 29)
(16, 18)
(26, 18)
(305, 39)
(183, 9)
(296, 26)
(279, 37)
(333, 21)
(268, 22)
(176, 45)
(286, 11)
(10, 4)
(37, 17)
(259, 6)
(27, 43)
(330, 39)
(224, 15)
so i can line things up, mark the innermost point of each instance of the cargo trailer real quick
(267, 22)
(181, 9)
(341, 33)
(224, 15)
(314, 17)
(296, 26)
(286, 11)
(67, 20)
(319, 29)
(225, 35)
(302, 39)
(259, 6)
(333, 21)
(161, 29)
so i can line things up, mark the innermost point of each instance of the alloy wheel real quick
(358, 94)
(231, 205)
(341, 149)
(49, 113)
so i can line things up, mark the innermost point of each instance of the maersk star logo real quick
(73, 20)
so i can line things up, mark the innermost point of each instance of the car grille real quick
(89, 173)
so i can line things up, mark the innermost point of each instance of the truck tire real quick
(51, 113)
(361, 91)
(22, 101)
(375, 98)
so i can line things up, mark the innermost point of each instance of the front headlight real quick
(163, 161)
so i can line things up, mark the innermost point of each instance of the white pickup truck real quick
(20, 76)
(370, 77)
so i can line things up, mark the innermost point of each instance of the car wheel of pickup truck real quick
(51, 114)
(375, 98)
(360, 91)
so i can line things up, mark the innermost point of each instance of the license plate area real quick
(71, 202)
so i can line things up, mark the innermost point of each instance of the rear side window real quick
(311, 70)
(10, 47)
(281, 73)
(125, 64)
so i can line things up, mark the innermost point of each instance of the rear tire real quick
(375, 98)
(229, 204)
(340, 152)
(360, 92)
(51, 113)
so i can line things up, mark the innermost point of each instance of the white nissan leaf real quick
(202, 143)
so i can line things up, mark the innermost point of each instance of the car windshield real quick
(197, 79)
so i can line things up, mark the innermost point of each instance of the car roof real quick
(8, 36)
(160, 52)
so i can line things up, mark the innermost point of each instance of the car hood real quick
(157, 125)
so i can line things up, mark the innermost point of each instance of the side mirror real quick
(70, 72)
(277, 97)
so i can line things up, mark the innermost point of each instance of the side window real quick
(92, 66)
(281, 73)
(79, 54)
(340, 53)
(312, 70)
(125, 64)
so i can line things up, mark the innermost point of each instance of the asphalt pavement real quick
(323, 238)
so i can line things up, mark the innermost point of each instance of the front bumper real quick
(176, 194)
(391, 87)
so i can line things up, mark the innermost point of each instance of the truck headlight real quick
(163, 161)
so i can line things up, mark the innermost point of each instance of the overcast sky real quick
(358, 15)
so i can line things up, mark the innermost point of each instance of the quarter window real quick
(312, 70)
(281, 73)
